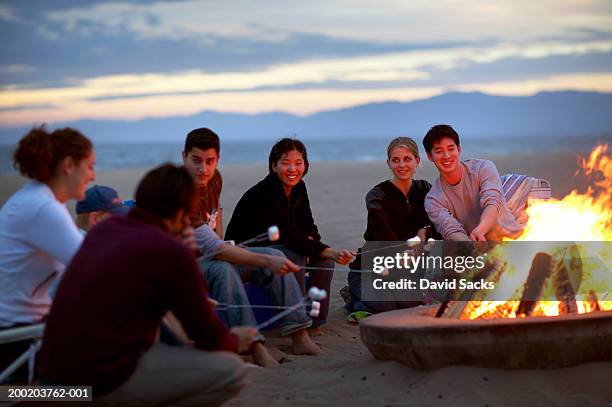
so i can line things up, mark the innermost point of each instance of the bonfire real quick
(573, 272)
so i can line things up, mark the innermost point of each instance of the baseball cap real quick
(101, 198)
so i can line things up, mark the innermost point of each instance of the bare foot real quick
(303, 345)
(315, 331)
(262, 357)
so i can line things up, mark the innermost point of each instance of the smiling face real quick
(201, 164)
(290, 169)
(80, 174)
(445, 156)
(402, 163)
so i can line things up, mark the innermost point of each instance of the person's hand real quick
(246, 335)
(422, 234)
(212, 302)
(477, 235)
(188, 238)
(282, 265)
(344, 256)
(211, 219)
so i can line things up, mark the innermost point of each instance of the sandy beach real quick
(346, 373)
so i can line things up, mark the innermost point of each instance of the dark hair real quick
(39, 152)
(437, 133)
(284, 146)
(165, 190)
(203, 139)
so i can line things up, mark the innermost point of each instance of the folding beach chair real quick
(33, 333)
(520, 188)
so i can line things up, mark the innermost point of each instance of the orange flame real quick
(577, 217)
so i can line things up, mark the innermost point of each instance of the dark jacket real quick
(393, 217)
(266, 204)
(128, 273)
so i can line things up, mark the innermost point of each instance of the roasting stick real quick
(272, 235)
(314, 293)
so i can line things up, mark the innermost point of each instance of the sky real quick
(66, 60)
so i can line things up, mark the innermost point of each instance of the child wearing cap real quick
(100, 202)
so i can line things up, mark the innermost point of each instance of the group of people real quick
(129, 296)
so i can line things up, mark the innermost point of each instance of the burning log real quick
(567, 278)
(541, 268)
(593, 302)
(456, 307)
(442, 308)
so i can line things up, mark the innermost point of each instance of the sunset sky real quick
(66, 60)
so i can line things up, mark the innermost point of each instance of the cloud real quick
(28, 107)
(414, 66)
(16, 69)
(115, 38)
(87, 58)
(7, 13)
(382, 20)
(298, 102)
(60, 55)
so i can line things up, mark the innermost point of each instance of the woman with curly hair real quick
(38, 237)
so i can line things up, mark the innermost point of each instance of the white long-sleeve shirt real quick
(457, 208)
(37, 239)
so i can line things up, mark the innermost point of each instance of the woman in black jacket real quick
(396, 212)
(281, 199)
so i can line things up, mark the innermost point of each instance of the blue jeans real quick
(225, 284)
(318, 278)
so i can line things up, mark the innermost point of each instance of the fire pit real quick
(416, 338)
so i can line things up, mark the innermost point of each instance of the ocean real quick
(135, 155)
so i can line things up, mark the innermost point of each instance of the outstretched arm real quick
(487, 221)
(491, 200)
(238, 255)
(341, 256)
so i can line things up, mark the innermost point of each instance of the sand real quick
(346, 373)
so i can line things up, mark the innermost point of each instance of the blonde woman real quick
(396, 212)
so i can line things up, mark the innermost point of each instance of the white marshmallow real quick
(314, 313)
(413, 241)
(322, 294)
(273, 233)
(315, 305)
(313, 292)
(317, 294)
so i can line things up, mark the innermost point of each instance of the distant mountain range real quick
(472, 114)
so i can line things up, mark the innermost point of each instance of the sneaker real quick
(355, 317)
